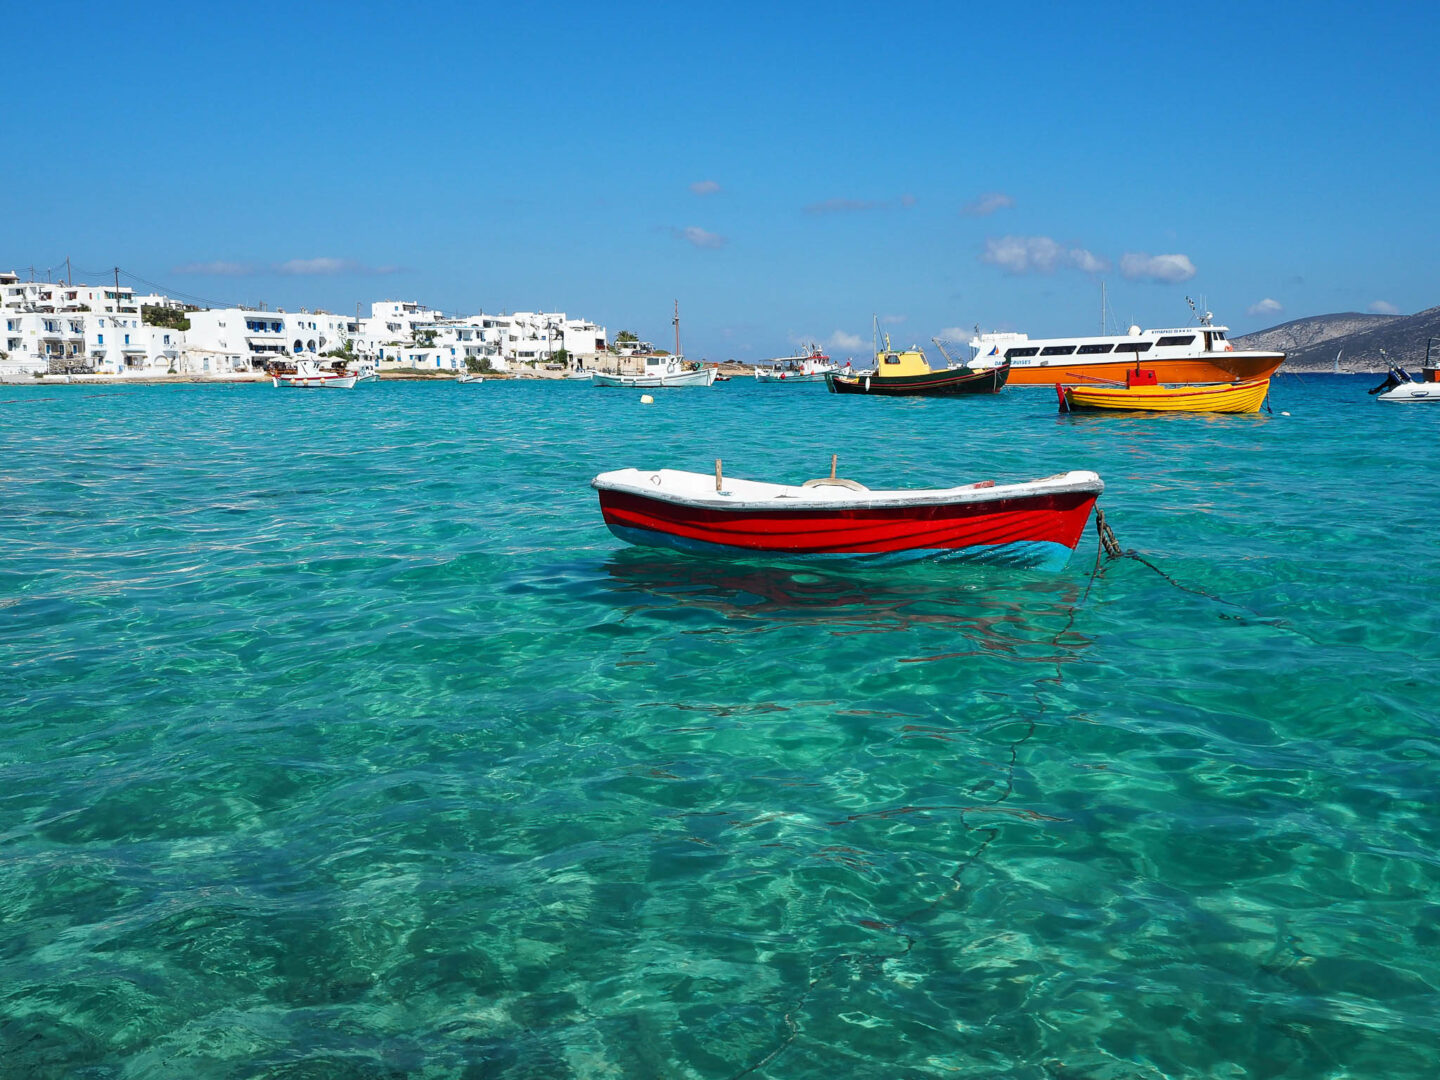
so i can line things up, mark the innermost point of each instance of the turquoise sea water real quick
(340, 739)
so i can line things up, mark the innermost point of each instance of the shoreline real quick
(409, 375)
(729, 369)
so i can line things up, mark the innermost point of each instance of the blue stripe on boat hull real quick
(1027, 554)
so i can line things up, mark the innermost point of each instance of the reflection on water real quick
(996, 609)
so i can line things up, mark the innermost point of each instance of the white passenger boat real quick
(811, 366)
(308, 375)
(660, 371)
(469, 377)
(1187, 354)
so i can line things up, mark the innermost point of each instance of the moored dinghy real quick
(1399, 386)
(1036, 523)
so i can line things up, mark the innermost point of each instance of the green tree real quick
(155, 315)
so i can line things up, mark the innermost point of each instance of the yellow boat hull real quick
(1243, 397)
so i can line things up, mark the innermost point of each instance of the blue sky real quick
(783, 170)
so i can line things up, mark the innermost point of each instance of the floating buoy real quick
(646, 399)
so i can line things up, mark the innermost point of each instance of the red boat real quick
(1036, 523)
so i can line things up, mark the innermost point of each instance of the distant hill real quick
(1311, 344)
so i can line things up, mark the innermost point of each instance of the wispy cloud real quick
(1038, 255)
(1383, 307)
(324, 265)
(1138, 266)
(955, 333)
(841, 340)
(893, 320)
(328, 266)
(854, 206)
(698, 237)
(215, 268)
(986, 204)
(705, 187)
(1265, 307)
(843, 206)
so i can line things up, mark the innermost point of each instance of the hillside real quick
(1311, 344)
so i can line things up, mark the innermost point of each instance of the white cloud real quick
(1383, 307)
(986, 204)
(1038, 254)
(1266, 307)
(841, 340)
(892, 320)
(956, 333)
(216, 267)
(1138, 266)
(705, 187)
(326, 265)
(700, 238)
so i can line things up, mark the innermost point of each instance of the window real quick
(1010, 354)
(1133, 346)
(1091, 350)
(99, 339)
(127, 339)
(1057, 350)
(1178, 339)
(891, 358)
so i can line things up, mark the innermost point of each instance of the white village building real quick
(51, 327)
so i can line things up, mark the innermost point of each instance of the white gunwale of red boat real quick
(698, 490)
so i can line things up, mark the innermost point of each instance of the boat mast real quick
(1102, 308)
(677, 328)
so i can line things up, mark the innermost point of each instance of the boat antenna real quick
(1204, 317)
(1102, 307)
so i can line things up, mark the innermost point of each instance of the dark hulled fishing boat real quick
(906, 373)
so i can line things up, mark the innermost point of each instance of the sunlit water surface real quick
(340, 739)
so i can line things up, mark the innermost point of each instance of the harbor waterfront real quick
(341, 739)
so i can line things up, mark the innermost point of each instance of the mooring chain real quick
(1112, 550)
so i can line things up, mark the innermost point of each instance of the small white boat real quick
(308, 375)
(1400, 387)
(660, 371)
(810, 367)
(469, 377)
